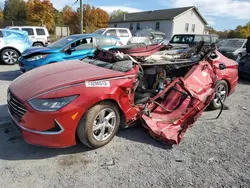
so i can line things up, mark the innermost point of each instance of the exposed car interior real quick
(155, 73)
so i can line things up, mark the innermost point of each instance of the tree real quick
(1, 15)
(117, 13)
(245, 31)
(15, 10)
(58, 17)
(71, 19)
(41, 13)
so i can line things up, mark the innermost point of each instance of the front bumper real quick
(47, 129)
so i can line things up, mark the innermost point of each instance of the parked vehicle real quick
(233, 48)
(139, 50)
(244, 66)
(185, 40)
(38, 35)
(67, 48)
(91, 98)
(12, 44)
(123, 34)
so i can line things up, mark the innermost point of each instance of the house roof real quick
(165, 14)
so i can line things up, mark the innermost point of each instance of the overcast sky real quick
(220, 14)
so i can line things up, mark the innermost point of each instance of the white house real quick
(170, 21)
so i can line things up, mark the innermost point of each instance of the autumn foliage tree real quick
(41, 13)
(71, 19)
(1, 15)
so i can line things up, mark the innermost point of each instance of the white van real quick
(123, 34)
(38, 35)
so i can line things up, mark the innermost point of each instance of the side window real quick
(214, 39)
(193, 28)
(1, 34)
(206, 39)
(197, 38)
(83, 44)
(104, 41)
(111, 32)
(186, 27)
(123, 33)
(40, 32)
(157, 26)
(131, 26)
(138, 26)
(29, 30)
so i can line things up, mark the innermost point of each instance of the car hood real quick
(57, 75)
(39, 50)
(227, 49)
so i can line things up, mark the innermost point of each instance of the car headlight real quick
(51, 104)
(37, 57)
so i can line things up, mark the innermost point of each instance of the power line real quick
(74, 3)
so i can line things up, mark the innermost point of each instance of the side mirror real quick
(70, 50)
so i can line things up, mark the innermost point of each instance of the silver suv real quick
(38, 35)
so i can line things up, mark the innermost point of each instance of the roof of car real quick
(90, 35)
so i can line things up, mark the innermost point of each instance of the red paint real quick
(65, 79)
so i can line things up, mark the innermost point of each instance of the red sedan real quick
(91, 99)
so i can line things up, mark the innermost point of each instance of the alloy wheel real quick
(104, 124)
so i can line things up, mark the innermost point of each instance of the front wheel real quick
(9, 56)
(221, 94)
(99, 125)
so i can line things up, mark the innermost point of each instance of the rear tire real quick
(222, 91)
(38, 44)
(9, 56)
(99, 125)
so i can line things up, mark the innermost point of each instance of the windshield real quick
(236, 43)
(62, 42)
(99, 31)
(182, 39)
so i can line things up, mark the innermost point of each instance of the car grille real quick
(16, 108)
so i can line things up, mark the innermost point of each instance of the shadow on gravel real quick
(9, 75)
(140, 134)
(244, 81)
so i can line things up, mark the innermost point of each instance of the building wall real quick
(165, 26)
(190, 17)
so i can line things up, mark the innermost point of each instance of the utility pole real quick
(81, 17)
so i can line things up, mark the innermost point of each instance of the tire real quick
(222, 90)
(105, 128)
(9, 56)
(38, 44)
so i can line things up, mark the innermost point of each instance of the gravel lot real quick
(214, 153)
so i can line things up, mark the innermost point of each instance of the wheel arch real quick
(10, 47)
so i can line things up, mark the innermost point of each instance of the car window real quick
(235, 43)
(214, 39)
(1, 34)
(83, 44)
(207, 39)
(40, 32)
(99, 31)
(182, 39)
(29, 30)
(123, 33)
(104, 41)
(197, 38)
(62, 42)
(14, 28)
(111, 32)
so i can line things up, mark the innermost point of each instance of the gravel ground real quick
(214, 153)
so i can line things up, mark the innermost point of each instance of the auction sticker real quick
(97, 84)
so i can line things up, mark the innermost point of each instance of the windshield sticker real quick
(97, 84)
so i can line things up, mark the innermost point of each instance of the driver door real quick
(80, 49)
